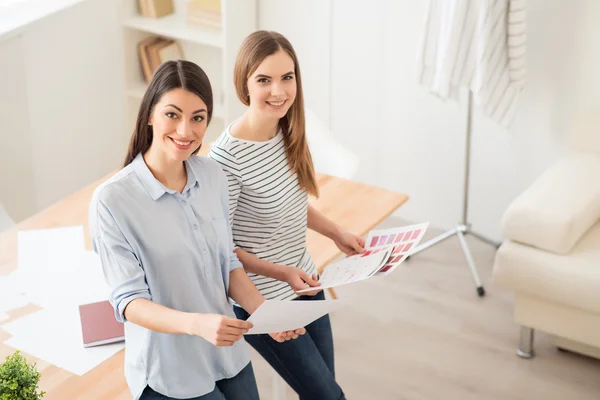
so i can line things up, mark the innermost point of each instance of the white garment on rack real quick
(479, 45)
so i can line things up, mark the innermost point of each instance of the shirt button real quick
(195, 227)
(204, 251)
(183, 202)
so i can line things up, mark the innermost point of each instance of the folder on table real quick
(98, 324)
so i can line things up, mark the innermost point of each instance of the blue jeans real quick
(306, 363)
(240, 387)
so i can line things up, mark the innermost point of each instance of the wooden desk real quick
(356, 207)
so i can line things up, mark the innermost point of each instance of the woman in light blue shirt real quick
(160, 226)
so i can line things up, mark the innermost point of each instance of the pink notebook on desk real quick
(98, 324)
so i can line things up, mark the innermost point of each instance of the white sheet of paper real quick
(57, 249)
(54, 268)
(10, 296)
(45, 253)
(83, 284)
(279, 316)
(54, 335)
(350, 270)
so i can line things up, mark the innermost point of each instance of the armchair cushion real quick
(572, 280)
(559, 207)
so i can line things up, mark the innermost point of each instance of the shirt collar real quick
(152, 185)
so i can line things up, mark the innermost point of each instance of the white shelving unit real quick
(171, 26)
(213, 50)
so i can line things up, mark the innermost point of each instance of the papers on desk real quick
(58, 339)
(385, 249)
(54, 250)
(10, 297)
(80, 283)
(278, 316)
(55, 272)
(54, 268)
(45, 258)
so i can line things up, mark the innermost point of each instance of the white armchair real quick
(550, 256)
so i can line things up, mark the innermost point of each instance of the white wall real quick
(307, 25)
(68, 94)
(410, 141)
(17, 191)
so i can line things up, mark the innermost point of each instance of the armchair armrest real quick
(559, 207)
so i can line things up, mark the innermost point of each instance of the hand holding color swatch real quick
(385, 250)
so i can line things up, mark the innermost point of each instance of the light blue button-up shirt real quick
(175, 249)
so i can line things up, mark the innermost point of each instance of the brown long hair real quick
(170, 75)
(254, 49)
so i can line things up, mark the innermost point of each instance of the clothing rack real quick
(463, 227)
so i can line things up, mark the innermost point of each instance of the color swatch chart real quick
(401, 241)
(385, 250)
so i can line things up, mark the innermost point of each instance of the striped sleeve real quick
(231, 166)
(517, 35)
(234, 261)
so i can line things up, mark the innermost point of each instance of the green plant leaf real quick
(19, 380)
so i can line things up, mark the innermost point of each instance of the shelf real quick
(137, 92)
(175, 26)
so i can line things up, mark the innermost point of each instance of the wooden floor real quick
(422, 333)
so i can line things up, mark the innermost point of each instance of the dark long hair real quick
(254, 49)
(170, 75)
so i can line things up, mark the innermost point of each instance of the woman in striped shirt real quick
(270, 174)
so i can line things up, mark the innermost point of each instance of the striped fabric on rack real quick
(479, 45)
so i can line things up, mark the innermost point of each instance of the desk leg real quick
(332, 293)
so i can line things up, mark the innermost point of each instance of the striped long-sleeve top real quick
(267, 207)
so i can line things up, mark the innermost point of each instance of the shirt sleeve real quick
(234, 261)
(230, 166)
(121, 267)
